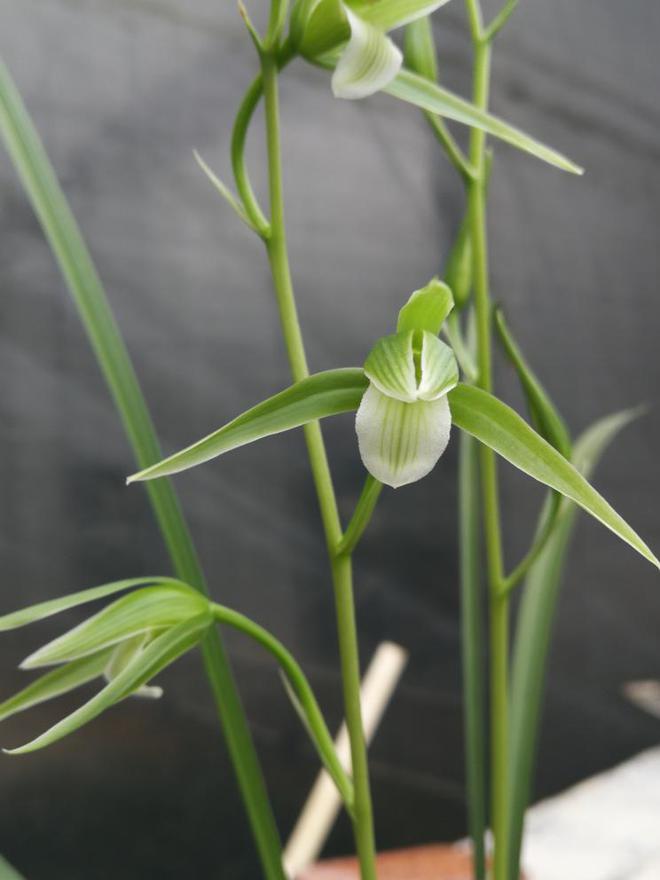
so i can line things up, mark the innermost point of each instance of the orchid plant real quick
(413, 393)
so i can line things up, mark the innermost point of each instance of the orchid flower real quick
(403, 421)
(352, 36)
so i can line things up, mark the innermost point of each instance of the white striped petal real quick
(401, 442)
(368, 63)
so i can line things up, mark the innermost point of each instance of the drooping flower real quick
(403, 422)
(352, 36)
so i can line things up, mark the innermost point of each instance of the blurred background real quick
(122, 91)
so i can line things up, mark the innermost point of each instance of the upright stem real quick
(341, 564)
(499, 606)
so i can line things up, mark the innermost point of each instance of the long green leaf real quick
(427, 95)
(320, 395)
(498, 426)
(7, 872)
(139, 612)
(534, 630)
(160, 653)
(57, 682)
(54, 606)
(61, 229)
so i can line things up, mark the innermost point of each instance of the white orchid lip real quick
(404, 421)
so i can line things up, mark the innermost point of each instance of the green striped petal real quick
(412, 365)
(401, 442)
(439, 372)
(369, 62)
(390, 366)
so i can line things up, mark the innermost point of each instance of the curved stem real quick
(302, 692)
(341, 566)
(499, 603)
(361, 516)
(451, 148)
(238, 142)
(548, 520)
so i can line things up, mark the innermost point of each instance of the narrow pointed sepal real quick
(401, 442)
(369, 62)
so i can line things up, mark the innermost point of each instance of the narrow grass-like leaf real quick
(53, 606)
(59, 225)
(544, 414)
(427, 95)
(225, 192)
(321, 395)
(498, 426)
(8, 872)
(55, 683)
(534, 630)
(163, 651)
(473, 614)
(139, 612)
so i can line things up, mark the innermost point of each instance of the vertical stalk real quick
(341, 564)
(472, 652)
(88, 294)
(499, 604)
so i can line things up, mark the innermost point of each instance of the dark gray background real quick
(122, 92)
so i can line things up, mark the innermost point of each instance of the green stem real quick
(472, 640)
(361, 516)
(449, 145)
(301, 692)
(341, 566)
(499, 604)
(114, 361)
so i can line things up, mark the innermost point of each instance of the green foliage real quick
(534, 631)
(426, 95)
(322, 394)
(500, 428)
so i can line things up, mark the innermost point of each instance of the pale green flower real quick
(403, 422)
(353, 37)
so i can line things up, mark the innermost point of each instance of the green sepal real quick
(320, 395)
(427, 308)
(58, 681)
(32, 613)
(163, 651)
(141, 611)
(501, 428)
(324, 28)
